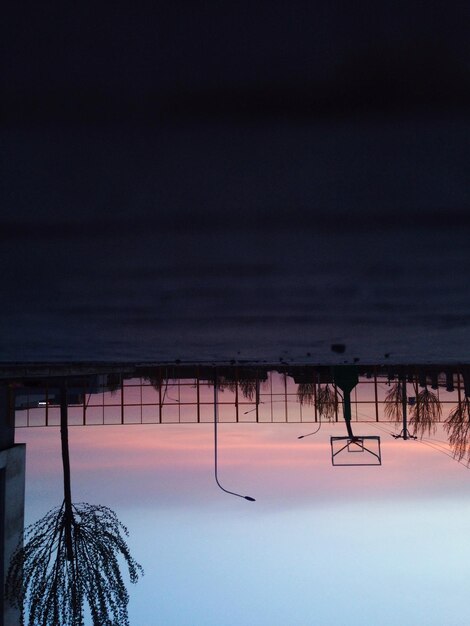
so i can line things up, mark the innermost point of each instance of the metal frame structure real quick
(190, 400)
(356, 445)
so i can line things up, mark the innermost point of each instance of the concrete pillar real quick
(12, 479)
(7, 425)
(12, 495)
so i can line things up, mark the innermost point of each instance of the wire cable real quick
(433, 446)
(438, 449)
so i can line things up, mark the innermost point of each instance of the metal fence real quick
(271, 398)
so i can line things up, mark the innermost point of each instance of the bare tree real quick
(426, 413)
(70, 556)
(457, 426)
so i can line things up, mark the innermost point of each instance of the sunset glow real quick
(325, 525)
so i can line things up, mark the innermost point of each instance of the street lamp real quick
(312, 433)
(216, 420)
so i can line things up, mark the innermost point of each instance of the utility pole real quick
(404, 433)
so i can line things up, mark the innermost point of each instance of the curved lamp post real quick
(312, 433)
(216, 420)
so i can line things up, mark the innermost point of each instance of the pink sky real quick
(174, 464)
(313, 529)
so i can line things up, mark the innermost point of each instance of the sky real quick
(320, 544)
(198, 181)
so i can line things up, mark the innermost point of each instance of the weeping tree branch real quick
(426, 413)
(306, 393)
(69, 557)
(457, 426)
(394, 403)
(326, 402)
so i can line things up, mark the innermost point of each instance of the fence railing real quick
(270, 397)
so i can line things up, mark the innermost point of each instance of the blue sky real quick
(320, 545)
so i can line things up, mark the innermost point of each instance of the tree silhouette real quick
(326, 402)
(457, 426)
(247, 383)
(306, 393)
(114, 383)
(154, 378)
(394, 403)
(426, 413)
(248, 387)
(70, 556)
